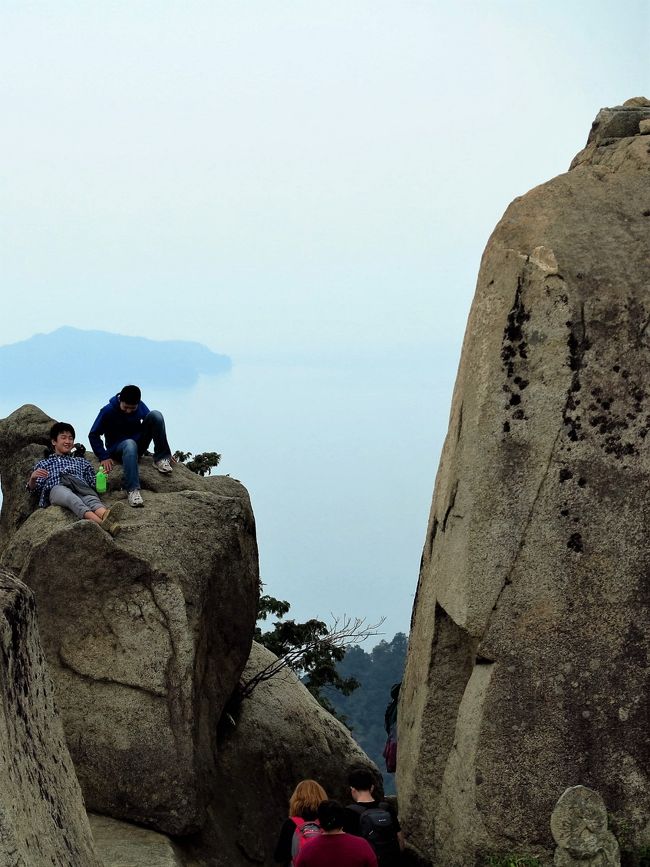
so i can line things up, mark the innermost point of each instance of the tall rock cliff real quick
(42, 817)
(527, 666)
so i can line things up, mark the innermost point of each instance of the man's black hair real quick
(131, 394)
(61, 427)
(361, 779)
(331, 815)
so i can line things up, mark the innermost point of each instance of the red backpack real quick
(306, 829)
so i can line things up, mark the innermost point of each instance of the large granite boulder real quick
(145, 634)
(120, 844)
(42, 816)
(276, 737)
(527, 667)
(24, 435)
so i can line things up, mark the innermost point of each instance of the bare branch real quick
(342, 634)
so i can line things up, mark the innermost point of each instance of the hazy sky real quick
(301, 176)
(310, 181)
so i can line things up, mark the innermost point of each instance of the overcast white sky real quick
(285, 175)
(303, 181)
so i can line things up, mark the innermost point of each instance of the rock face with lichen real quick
(527, 667)
(145, 635)
(42, 817)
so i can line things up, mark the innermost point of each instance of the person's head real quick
(331, 816)
(130, 397)
(361, 782)
(62, 437)
(306, 797)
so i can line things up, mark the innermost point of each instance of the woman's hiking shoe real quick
(135, 498)
(163, 466)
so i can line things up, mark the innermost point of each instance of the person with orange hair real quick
(302, 823)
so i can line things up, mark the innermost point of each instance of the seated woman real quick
(64, 480)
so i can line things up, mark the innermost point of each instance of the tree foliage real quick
(201, 464)
(313, 650)
(376, 671)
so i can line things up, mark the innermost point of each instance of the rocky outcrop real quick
(42, 817)
(145, 635)
(23, 438)
(275, 738)
(122, 845)
(527, 665)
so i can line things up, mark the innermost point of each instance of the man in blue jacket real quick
(128, 427)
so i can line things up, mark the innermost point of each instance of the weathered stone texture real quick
(527, 666)
(42, 816)
(579, 827)
(145, 635)
(122, 845)
(23, 438)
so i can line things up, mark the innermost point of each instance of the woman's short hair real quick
(306, 797)
(331, 815)
(61, 427)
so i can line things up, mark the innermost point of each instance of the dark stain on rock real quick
(514, 355)
(514, 343)
(565, 474)
(616, 413)
(575, 543)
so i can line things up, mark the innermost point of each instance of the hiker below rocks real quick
(374, 820)
(390, 724)
(63, 479)
(128, 427)
(333, 846)
(302, 822)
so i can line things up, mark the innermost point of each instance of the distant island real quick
(98, 360)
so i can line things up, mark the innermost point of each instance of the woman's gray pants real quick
(62, 496)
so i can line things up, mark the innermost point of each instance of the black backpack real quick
(377, 826)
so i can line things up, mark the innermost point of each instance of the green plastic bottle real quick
(101, 480)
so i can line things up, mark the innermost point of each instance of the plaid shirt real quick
(55, 466)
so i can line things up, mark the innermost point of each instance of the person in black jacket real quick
(386, 839)
(128, 427)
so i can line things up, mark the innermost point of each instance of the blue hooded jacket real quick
(115, 426)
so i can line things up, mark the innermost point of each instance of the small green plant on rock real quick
(202, 464)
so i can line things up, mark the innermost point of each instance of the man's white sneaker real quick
(163, 466)
(135, 498)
